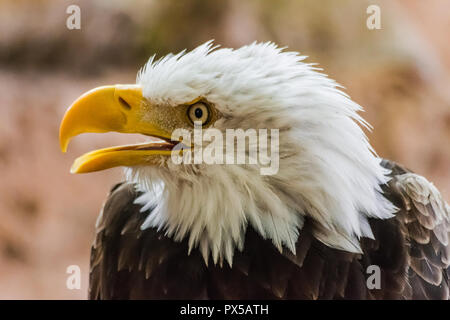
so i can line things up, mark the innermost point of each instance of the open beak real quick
(118, 108)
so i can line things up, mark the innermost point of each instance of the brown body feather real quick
(411, 250)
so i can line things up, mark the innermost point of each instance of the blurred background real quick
(399, 74)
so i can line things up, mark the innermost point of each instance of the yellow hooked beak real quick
(119, 108)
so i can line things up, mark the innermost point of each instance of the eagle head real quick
(312, 159)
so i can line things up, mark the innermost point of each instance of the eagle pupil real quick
(198, 113)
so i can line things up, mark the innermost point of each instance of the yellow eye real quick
(199, 112)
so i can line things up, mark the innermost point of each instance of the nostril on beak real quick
(124, 104)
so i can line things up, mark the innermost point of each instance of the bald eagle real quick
(331, 215)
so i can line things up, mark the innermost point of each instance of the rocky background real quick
(400, 74)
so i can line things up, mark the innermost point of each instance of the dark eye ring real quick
(199, 112)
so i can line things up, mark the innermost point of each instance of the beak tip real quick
(63, 147)
(78, 167)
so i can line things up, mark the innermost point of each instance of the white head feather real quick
(327, 169)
